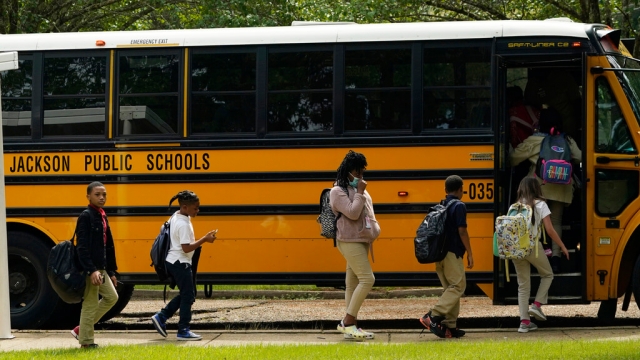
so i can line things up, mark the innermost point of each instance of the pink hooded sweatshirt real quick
(351, 226)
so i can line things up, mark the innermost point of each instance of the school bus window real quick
(148, 93)
(457, 88)
(223, 97)
(630, 80)
(615, 189)
(300, 95)
(74, 95)
(378, 95)
(612, 135)
(16, 100)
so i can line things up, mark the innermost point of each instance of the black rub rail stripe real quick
(419, 208)
(436, 138)
(423, 278)
(245, 177)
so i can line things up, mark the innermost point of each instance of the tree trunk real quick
(607, 13)
(594, 12)
(636, 46)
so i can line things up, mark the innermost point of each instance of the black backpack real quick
(159, 251)
(64, 271)
(431, 243)
(327, 219)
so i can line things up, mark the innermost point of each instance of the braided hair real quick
(185, 197)
(351, 161)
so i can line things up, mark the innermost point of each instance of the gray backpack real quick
(431, 243)
(554, 162)
(327, 219)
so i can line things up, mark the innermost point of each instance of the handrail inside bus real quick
(597, 70)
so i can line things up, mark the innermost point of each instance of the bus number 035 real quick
(480, 191)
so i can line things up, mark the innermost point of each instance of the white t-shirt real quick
(181, 232)
(541, 210)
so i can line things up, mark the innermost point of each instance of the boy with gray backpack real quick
(441, 320)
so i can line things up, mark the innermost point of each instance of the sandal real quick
(353, 332)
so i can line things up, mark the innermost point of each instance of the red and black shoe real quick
(426, 321)
(438, 329)
(456, 333)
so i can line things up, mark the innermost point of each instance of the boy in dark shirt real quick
(97, 256)
(441, 320)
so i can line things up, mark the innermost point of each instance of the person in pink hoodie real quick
(356, 229)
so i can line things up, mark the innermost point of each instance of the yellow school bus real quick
(257, 120)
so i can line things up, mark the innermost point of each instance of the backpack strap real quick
(521, 122)
(506, 267)
(335, 241)
(532, 114)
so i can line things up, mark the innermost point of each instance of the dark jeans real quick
(181, 273)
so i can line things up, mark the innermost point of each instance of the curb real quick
(285, 294)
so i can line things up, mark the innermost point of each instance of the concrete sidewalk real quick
(37, 340)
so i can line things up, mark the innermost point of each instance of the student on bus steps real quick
(356, 230)
(97, 257)
(178, 262)
(530, 193)
(557, 196)
(442, 319)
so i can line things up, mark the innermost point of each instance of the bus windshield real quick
(630, 80)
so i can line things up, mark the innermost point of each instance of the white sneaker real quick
(352, 332)
(367, 335)
(526, 328)
(537, 313)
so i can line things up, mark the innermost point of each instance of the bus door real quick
(612, 182)
(526, 73)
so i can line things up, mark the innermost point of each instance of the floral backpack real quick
(513, 239)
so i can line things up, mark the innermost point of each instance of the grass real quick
(451, 349)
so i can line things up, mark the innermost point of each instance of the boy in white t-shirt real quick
(178, 264)
(529, 192)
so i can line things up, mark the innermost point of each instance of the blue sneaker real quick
(159, 324)
(188, 335)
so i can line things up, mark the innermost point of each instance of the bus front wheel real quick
(635, 282)
(31, 297)
(125, 292)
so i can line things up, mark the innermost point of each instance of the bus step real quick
(566, 285)
(550, 300)
(555, 276)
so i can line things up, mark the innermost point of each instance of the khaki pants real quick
(557, 209)
(523, 269)
(451, 273)
(93, 309)
(359, 278)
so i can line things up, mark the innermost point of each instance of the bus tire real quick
(125, 292)
(635, 282)
(31, 297)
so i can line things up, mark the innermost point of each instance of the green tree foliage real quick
(30, 16)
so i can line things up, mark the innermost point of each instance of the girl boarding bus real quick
(255, 120)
